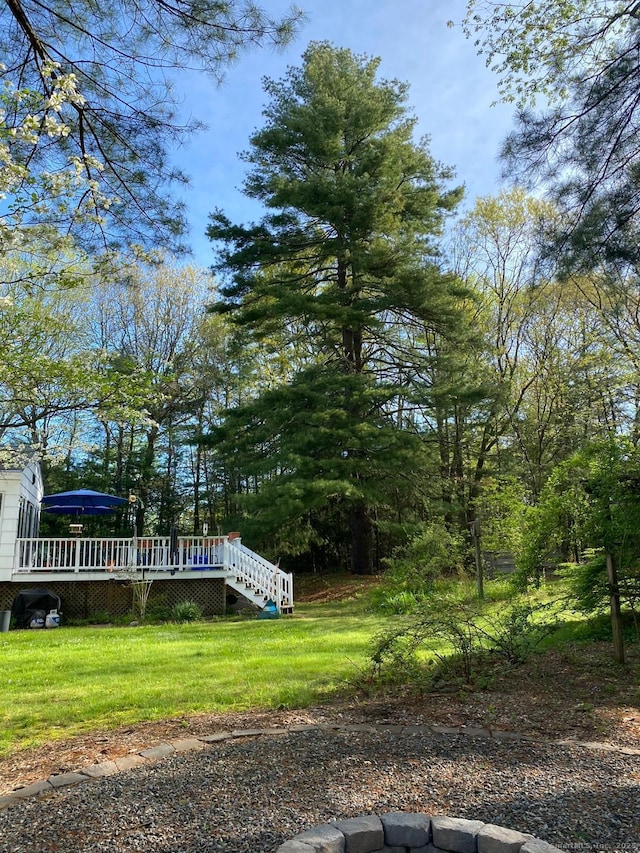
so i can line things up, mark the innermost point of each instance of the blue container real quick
(269, 611)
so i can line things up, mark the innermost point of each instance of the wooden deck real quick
(88, 559)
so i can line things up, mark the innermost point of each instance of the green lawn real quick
(58, 683)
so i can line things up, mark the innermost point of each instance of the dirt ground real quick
(576, 693)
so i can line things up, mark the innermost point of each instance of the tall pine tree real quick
(343, 262)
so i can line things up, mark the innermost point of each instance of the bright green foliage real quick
(494, 249)
(501, 509)
(48, 370)
(451, 640)
(160, 362)
(186, 611)
(431, 554)
(539, 48)
(589, 507)
(110, 381)
(340, 267)
(553, 361)
(589, 585)
(150, 331)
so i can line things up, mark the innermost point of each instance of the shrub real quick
(397, 603)
(186, 611)
(158, 611)
(432, 554)
(458, 636)
(588, 584)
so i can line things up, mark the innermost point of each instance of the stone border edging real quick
(166, 749)
(406, 832)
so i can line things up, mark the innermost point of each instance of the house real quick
(95, 575)
(21, 490)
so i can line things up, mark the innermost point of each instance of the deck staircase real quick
(256, 578)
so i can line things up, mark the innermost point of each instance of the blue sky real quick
(451, 93)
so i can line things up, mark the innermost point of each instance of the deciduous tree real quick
(100, 99)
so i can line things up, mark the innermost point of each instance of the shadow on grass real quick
(589, 629)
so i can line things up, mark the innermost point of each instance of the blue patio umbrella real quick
(82, 502)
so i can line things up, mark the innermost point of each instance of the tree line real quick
(365, 367)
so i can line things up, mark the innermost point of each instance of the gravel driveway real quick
(252, 793)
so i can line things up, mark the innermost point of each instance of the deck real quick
(89, 559)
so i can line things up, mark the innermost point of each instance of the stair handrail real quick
(269, 578)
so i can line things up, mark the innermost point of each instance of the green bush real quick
(396, 603)
(588, 582)
(186, 611)
(589, 506)
(432, 554)
(513, 633)
(158, 611)
(451, 639)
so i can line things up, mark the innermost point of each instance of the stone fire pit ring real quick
(405, 832)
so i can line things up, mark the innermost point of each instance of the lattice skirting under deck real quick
(83, 599)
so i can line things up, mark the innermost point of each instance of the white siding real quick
(19, 488)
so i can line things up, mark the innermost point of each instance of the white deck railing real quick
(243, 569)
(252, 570)
(64, 555)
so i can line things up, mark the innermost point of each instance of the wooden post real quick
(475, 535)
(614, 599)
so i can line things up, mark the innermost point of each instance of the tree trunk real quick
(197, 467)
(361, 536)
(146, 476)
(614, 599)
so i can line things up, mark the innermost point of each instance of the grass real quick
(57, 684)
(62, 683)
